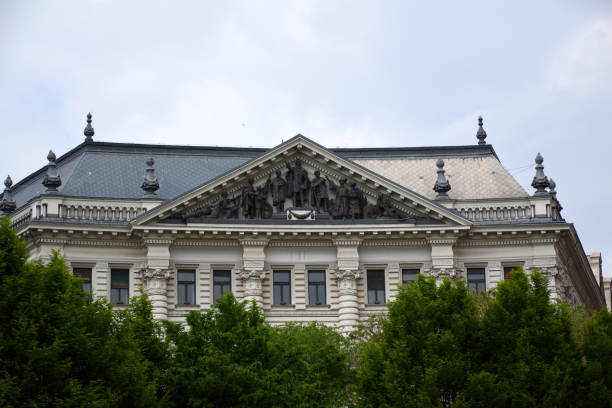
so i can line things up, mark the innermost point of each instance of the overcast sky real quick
(343, 73)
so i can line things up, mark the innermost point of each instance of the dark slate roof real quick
(116, 170)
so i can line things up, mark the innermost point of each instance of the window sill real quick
(194, 307)
(288, 307)
(376, 305)
(326, 306)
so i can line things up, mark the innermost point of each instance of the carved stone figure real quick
(298, 184)
(249, 200)
(342, 191)
(278, 187)
(225, 207)
(262, 208)
(357, 202)
(384, 208)
(320, 197)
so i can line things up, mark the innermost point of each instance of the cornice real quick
(442, 241)
(207, 243)
(88, 242)
(301, 243)
(346, 242)
(157, 241)
(255, 242)
(506, 242)
(394, 242)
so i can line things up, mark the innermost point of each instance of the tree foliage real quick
(230, 357)
(60, 348)
(441, 346)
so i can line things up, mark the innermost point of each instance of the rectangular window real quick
(185, 287)
(120, 286)
(222, 283)
(316, 288)
(282, 287)
(376, 287)
(476, 280)
(85, 275)
(508, 272)
(409, 275)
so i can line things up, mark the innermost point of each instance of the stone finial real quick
(442, 186)
(150, 184)
(552, 185)
(481, 134)
(52, 179)
(7, 204)
(540, 181)
(89, 130)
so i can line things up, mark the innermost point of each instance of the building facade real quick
(309, 233)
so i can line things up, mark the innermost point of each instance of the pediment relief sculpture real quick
(295, 192)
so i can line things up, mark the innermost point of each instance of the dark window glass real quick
(282, 287)
(186, 287)
(85, 275)
(120, 286)
(508, 272)
(409, 275)
(476, 280)
(222, 283)
(316, 288)
(376, 287)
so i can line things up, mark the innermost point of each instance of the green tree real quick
(60, 348)
(597, 352)
(422, 351)
(441, 346)
(230, 357)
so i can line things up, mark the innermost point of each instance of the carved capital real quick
(441, 272)
(156, 280)
(347, 281)
(252, 274)
(253, 282)
(156, 273)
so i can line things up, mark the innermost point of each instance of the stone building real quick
(310, 233)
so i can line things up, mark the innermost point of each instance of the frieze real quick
(293, 187)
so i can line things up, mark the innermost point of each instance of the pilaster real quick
(442, 259)
(347, 275)
(253, 272)
(156, 273)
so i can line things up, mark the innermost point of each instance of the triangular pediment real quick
(301, 180)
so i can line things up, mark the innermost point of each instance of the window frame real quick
(75, 268)
(382, 302)
(185, 284)
(512, 265)
(213, 271)
(477, 281)
(282, 285)
(404, 268)
(317, 285)
(120, 289)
